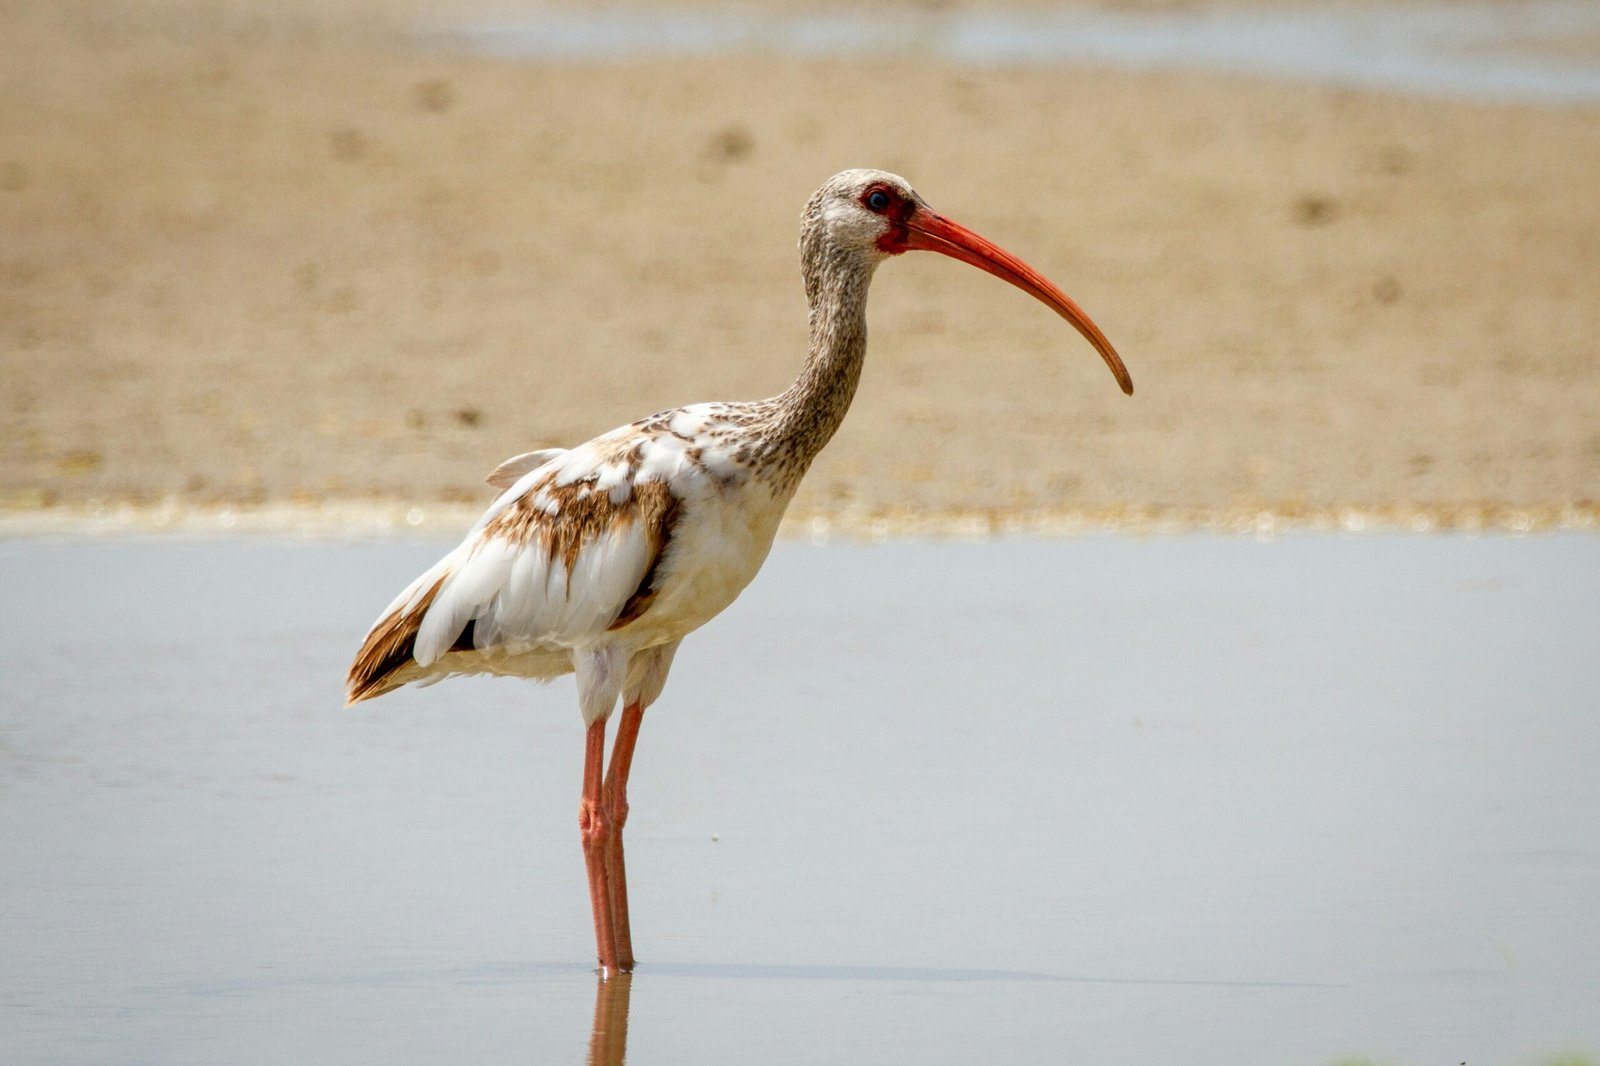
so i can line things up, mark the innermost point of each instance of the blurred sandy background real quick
(260, 254)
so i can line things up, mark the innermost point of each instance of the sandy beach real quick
(258, 258)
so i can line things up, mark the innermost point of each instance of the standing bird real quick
(598, 560)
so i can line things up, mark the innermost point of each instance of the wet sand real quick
(260, 258)
(1197, 799)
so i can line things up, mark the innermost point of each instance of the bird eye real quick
(878, 200)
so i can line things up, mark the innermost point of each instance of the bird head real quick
(854, 211)
(870, 215)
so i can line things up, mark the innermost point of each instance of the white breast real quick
(718, 545)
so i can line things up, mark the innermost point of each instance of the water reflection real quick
(608, 1041)
(608, 1036)
(744, 971)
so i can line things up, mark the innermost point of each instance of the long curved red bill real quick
(930, 232)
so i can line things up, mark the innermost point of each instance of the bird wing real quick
(511, 471)
(567, 553)
(554, 567)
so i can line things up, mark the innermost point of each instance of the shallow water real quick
(1197, 799)
(1520, 52)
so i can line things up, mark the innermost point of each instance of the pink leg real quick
(616, 813)
(595, 830)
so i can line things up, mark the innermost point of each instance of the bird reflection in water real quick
(608, 1043)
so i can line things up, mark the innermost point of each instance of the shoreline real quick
(362, 519)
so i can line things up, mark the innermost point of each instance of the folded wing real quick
(553, 567)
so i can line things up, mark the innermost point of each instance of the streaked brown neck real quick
(809, 412)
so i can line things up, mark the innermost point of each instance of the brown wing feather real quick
(387, 649)
(584, 515)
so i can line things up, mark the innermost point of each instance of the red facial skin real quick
(913, 227)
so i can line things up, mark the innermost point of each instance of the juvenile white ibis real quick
(597, 560)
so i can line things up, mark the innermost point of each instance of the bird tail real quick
(389, 646)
